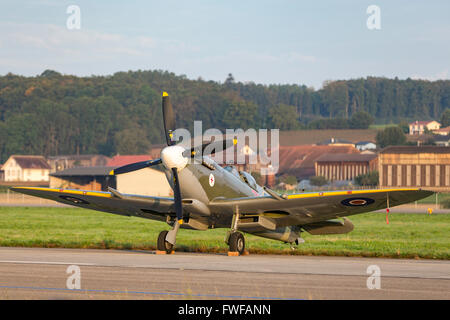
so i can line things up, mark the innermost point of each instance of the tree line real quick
(54, 114)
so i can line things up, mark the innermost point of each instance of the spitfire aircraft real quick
(208, 196)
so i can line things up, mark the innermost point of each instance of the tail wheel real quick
(162, 244)
(237, 242)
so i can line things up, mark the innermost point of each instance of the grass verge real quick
(406, 236)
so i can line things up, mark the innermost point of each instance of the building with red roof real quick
(122, 160)
(419, 127)
(299, 161)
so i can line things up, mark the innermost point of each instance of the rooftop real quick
(415, 149)
(364, 142)
(31, 162)
(346, 157)
(422, 122)
(122, 160)
(299, 160)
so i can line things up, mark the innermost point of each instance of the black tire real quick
(237, 242)
(162, 244)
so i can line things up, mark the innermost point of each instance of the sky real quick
(268, 42)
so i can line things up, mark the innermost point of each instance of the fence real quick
(16, 199)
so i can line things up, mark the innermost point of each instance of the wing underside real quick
(306, 208)
(155, 208)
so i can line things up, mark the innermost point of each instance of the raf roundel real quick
(357, 202)
(212, 180)
(74, 200)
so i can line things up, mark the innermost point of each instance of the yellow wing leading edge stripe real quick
(292, 196)
(342, 193)
(85, 193)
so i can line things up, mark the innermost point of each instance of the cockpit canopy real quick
(244, 176)
(233, 170)
(247, 177)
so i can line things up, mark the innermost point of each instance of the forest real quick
(52, 114)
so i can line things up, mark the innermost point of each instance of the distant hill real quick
(53, 114)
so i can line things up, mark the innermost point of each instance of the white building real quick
(365, 145)
(418, 127)
(26, 168)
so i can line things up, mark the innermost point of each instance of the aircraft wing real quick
(154, 208)
(295, 209)
(306, 208)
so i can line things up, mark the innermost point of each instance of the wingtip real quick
(18, 188)
(21, 189)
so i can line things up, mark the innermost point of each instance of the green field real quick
(442, 197)
(382, 126)
(406, 236)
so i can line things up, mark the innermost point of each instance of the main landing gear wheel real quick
(237, 242)
(162, 244)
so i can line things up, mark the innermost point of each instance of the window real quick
(247, 177)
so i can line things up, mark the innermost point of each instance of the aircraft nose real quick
(172, 157)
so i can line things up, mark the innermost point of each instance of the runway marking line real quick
(50, 262)
(143, 292)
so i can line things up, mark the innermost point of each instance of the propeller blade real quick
(135, 166)
(169, 118)
(211, 147)
(177, 196)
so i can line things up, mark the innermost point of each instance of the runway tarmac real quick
(41, 273)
